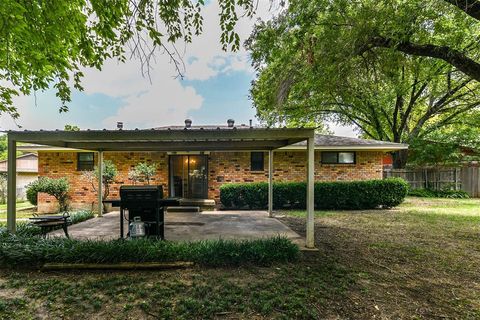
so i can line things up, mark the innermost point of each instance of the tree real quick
(304, 73)
(431, 28)
(3, 147)
(69, 127)
(450, 145)
(146, 171)
(109, 173)
(48, 43)
(134, 175)
(57, 188)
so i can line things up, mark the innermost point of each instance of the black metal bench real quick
(52, 222)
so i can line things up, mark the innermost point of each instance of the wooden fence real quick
(464, 178)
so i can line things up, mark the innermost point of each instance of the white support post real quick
(310, 241)
(12, 185)
(100, 184)
(270, 183)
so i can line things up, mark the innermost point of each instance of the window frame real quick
(84, 165)
(337, 154)
(262, 161)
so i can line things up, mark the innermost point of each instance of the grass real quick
(418, 261)
(21, 214)
(20, 204)
(19, 251)
(455, 207)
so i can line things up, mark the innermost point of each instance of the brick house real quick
(199, 174)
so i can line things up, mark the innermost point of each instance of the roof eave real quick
(385, 148)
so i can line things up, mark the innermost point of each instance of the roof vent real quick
(119, 125)
(230, 123)
(188, 123)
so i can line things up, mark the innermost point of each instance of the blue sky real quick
(215, 88)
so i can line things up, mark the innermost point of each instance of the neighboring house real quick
(27, 171)
(199, 174)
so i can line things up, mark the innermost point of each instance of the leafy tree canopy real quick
(47, 43)
(312, 67)
(69, 127)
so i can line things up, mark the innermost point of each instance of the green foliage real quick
(69, 127)
(3, 147)
(110, 171)
(81, 215)
(145, 171)
(57, 188)
(429, 193)
(70, 36)
(34, 251)
(313, 66)
(431, 153)
(352, 195)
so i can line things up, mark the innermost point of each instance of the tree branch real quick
(452, 56)
(470, 7)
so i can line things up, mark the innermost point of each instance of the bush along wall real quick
(341, 195)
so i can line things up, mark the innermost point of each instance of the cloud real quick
(205, 56)
(119, 92)
(165, 100)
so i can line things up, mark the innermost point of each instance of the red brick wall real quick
(224, 167)
(64, 164)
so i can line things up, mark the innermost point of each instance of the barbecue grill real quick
(146, 202)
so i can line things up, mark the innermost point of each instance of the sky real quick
(215, 88)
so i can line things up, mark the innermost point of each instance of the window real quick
(256, 161)
(338, 157)
(85, 161)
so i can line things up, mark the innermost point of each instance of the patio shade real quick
(200, 139)
(240, 138)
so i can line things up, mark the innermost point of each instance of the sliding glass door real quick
(188, 176)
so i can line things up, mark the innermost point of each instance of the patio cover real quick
(193, 139)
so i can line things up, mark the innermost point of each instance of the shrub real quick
(350, 195)
(57, 188)
(34, 251)
(82, 215)
(145, 171)
(429, 193)
(110, 171)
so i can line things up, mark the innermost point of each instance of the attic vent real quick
(188, 123)
(230, 123)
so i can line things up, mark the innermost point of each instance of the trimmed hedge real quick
(428, 193)
(351, 195)
(35, 251)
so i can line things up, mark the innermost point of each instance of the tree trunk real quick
(400, 159)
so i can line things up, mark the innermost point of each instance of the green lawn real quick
(21, 204)
(20, 213)
(418, 261)
(456, 207)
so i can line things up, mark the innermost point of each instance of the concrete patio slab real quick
(191, 226)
